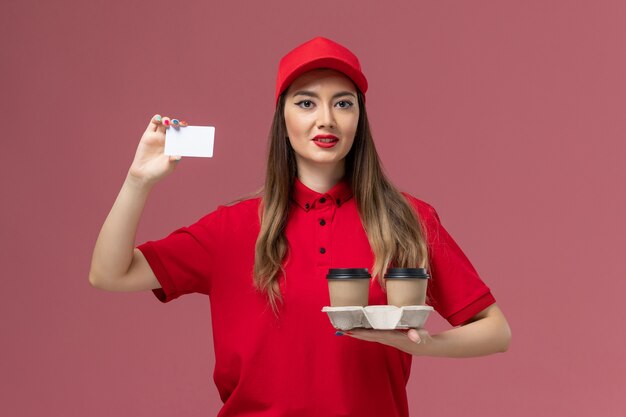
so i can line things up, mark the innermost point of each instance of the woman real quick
(262, 261)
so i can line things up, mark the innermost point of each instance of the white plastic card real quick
(189, 141)
(378, 317)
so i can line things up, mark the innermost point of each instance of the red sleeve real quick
(183, 262)
(455, 289)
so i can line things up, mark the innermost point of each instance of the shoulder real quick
(225, 215)
(241, 207)
(241, 216)
(428, 217)
(424, 210)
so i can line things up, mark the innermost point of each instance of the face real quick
(321, 114)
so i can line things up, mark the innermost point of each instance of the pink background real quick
(507, 117)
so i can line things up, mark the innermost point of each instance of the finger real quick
(369, 335)
(175, 158)
(165, 123)
(414, 336)
(355, 333)
(154, 123)
(176, 123)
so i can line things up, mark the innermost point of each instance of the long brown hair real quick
(393, 229)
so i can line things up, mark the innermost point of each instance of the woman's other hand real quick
(487, 332)
(409, 341)
(151, 164)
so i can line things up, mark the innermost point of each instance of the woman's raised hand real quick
(151, 164)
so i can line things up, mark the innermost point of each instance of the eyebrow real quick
(312, 94)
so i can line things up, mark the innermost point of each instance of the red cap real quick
(319, 52)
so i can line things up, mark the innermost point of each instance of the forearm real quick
(482, 337)
(113, 251)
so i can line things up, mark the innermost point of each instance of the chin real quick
(323, 160)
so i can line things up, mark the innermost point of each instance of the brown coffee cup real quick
(406, 286)
(348, 286)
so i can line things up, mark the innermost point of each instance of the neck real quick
(320, 177)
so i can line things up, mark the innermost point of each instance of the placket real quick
(324, 214)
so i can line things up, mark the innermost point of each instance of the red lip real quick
(326, 137)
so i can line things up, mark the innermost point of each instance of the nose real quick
(326, 117)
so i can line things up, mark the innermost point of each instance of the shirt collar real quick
(308, 198)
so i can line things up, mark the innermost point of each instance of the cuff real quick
(168, 291)
(471, 309)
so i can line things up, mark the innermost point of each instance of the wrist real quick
(137, 184)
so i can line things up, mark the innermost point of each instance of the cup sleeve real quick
(455, 290)
(184, 261)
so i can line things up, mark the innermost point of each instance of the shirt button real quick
(322, 200)
(322, 250)
(322, 222)
(338, 201)
(306, 206)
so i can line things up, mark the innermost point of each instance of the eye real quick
(305, 104)
(344, 104)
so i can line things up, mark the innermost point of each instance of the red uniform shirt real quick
(294, 365)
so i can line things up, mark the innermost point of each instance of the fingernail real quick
(175, 121)
(166, 122)
(183, 123)
(338, 333)
(157, 118)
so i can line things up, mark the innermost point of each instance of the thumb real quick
(414, 336)
(175, 158)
